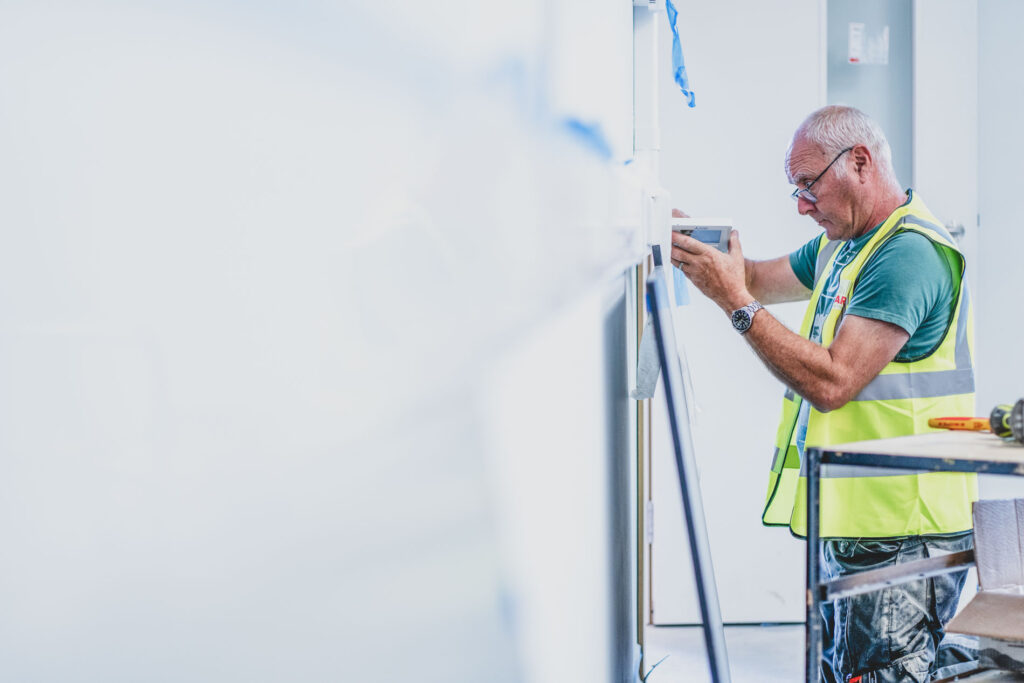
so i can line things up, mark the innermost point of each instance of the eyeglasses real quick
(805, 192)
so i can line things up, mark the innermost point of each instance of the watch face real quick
(740, 319)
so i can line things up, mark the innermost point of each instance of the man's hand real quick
(721, 277)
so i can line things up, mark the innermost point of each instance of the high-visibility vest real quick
(872, 502)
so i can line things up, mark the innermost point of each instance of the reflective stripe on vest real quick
(959, 380)
(877, 502)
(824, 256)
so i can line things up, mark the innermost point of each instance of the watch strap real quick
(743, 318)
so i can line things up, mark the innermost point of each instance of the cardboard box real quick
(996, 613)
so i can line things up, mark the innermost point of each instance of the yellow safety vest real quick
(871, 502)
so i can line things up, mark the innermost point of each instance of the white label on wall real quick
(868, 47)
(855, 49)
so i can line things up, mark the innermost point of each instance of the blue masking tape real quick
(678, 68)
(591, 135)
(682, 291)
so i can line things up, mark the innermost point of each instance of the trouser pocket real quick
(910, 669)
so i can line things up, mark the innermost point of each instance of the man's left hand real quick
(721, 277)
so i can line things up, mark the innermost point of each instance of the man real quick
(884, 345)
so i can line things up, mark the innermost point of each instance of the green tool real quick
(1008, 421)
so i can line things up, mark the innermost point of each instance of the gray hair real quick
(836, 127)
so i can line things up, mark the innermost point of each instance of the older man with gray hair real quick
(884, 345)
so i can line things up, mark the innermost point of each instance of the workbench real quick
(947, 451)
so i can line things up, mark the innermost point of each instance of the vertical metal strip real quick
(641, 494)
(648, 453)
(813, 617)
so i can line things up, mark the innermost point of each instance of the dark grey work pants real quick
(894, 634)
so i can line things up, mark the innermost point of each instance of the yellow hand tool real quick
(975, 424)
(1005, 421)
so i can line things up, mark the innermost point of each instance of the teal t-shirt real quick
(906, 282)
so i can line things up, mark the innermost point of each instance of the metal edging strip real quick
(871, 580)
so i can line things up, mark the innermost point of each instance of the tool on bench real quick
(974, 424)
(1006, 421)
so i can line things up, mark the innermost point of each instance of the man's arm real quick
(774, 282)
(827, 377)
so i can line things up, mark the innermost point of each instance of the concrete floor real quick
(757, 654)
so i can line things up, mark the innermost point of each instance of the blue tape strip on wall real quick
(591, 135)
(679, 284)
(678, 68)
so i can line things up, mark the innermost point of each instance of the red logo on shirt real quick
(841, 300)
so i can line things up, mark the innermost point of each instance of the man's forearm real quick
(749, 266)
(773, 282)
(805, 367)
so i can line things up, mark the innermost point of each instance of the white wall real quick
(945, 120)
(755, 69)
(260, 261)
(965, 147)
(999, 327)
(553, 412)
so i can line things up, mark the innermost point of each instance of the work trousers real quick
(895, 634)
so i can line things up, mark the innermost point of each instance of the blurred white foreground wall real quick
(287, 391)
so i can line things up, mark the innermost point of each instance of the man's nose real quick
(803, 206)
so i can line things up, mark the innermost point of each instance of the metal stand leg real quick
(813, 624)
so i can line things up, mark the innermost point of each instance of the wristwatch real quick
(742, 318)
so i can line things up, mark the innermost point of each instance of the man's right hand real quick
(720, 277)
(770, 282)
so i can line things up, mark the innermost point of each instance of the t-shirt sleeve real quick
(907, 283)
(802, 262)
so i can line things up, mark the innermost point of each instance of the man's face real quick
(834, 210)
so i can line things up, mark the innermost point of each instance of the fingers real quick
(680, 257)
(676, 213)
(734, 243)
(687, 243)
(688, 251)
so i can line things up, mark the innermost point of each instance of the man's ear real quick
(862, 162)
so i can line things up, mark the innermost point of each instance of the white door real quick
(756, 71)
